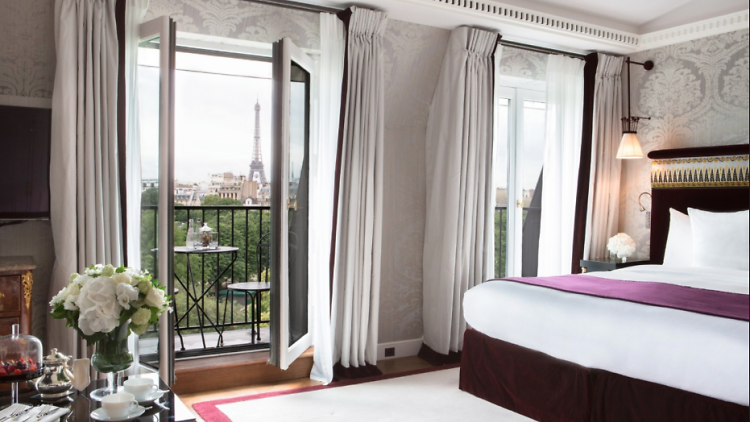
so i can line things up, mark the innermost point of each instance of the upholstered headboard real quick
(711, 178)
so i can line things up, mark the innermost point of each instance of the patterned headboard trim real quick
(699, 172)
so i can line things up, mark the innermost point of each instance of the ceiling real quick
(636, 16)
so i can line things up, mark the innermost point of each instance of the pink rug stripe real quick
(209, 411)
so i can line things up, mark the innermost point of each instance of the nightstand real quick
(607, 264)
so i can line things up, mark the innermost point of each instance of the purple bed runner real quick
(709, 302)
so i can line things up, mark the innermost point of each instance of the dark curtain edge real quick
(345, 16)
(120, 8)
(429, 355)
(584, 169)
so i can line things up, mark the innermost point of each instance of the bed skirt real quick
(547, 389)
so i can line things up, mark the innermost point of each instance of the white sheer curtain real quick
(459, 186)
(356, 281)
(84, 188)
(562, 154)
(134, 13)
(323, 179)
(604, 198)
(135, 10)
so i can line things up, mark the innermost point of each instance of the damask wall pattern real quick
(240, 20)
(413, 58)
(27, 49)
(697, 95)
(523, 64)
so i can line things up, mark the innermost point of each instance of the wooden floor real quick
(392, 366)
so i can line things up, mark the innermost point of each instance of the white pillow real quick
(720, 240)
(679, 249)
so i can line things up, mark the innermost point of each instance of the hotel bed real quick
(557, 355)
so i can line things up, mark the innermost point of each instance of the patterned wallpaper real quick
(697, 95)
(241, 20)
(27, 48)
(413, 57)
(523, 64)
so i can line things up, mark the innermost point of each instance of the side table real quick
(608, 264)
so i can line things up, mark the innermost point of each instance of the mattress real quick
(700, 353)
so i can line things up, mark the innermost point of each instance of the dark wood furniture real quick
(171, 408)
(609, 264)
(16, 284)
(545, 388)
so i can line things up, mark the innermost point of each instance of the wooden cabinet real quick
(16, 284)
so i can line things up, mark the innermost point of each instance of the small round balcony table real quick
(194, 294)
(255, 290)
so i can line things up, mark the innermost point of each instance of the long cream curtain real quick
(458, 228)
(84, 188)
(604, 198)
(356, 274)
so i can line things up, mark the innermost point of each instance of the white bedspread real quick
(694, 352)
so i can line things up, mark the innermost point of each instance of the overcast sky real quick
(214, 115)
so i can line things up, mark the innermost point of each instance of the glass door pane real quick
(519, 150)
(156, 124)
(299, 143)
(501, 163)
(290, 310)
(531, 157)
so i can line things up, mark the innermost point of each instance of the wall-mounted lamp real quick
(643, 209)
(630, 147)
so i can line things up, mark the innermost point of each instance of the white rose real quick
(121, 278)
(97, 301)
(126, 294)
(73, 291)
(155, 298)
(108, 270)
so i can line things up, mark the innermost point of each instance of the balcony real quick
(225, 324)
(211, 319)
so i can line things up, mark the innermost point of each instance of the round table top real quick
(250, 286)
(191, 250)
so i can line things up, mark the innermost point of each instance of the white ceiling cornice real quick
(537, 28)
(693, 31)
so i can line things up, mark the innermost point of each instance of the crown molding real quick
(693, 31)
(547, 30)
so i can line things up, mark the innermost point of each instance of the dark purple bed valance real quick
(708, 302)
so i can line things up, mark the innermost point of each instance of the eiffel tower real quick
(257, 172)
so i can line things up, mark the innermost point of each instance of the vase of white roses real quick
(621, 246)
(105, 304)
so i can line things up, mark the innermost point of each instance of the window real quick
(520, 116)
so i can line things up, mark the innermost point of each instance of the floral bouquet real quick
(621, 245)
(104, 298)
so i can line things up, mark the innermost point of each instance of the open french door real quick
(157, 150)
(290, 311)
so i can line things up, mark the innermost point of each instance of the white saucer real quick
(154, 396)
(99, 415)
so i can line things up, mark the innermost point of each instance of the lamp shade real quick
(630, 148)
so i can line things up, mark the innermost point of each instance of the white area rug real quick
(428, 397)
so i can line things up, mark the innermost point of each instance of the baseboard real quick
(402, 348)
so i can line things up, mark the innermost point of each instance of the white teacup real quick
(119, 405)
(140, 388)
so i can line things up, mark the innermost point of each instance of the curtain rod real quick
(538, 49)
(305, 7)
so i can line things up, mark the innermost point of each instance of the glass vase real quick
(111, 356)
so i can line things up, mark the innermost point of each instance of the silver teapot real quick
(57, 379)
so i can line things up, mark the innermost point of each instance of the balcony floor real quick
(193, 341)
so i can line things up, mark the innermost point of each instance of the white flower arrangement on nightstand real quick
(621, 245)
